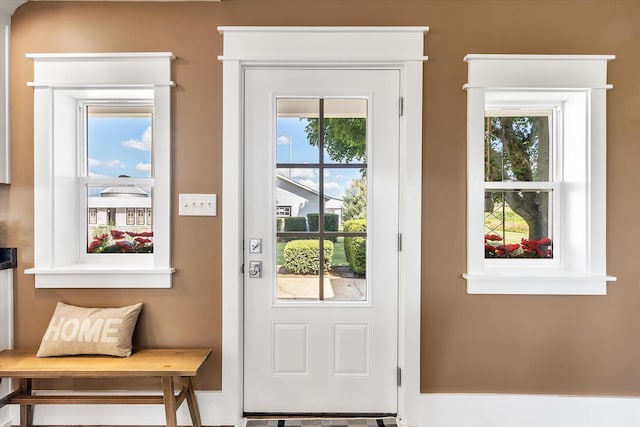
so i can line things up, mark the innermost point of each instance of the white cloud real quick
(115, 164)
(309, 183)
(326, 173)
(143, 166)
(93, 162)
(97, 175)
(143, 144)
(331, 185)
(304, 173)
(282, 139)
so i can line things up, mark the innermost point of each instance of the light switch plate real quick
(197, 204)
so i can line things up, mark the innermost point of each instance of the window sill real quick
(518, 283)
(91, 276)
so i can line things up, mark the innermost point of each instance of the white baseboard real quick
(496, 410)
(429, 410)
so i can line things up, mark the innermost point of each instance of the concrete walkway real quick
(335, 288)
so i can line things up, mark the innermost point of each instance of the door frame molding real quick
(398, 48)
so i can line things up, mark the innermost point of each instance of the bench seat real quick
(166, 364)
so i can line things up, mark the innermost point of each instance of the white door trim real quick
(343, 47)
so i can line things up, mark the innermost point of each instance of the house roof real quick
(124, 191)
(306, 188)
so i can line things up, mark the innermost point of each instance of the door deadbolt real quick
(255, 269)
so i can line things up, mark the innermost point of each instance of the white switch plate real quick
(197, 204)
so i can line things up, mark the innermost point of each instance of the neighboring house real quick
(126, 206)
(295, 199)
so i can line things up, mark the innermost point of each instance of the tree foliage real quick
(354, 202)
(345, 139)
(517, 149)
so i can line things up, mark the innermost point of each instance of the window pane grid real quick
(321, 228)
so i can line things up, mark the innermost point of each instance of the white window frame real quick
(575, 86)
(62, 84)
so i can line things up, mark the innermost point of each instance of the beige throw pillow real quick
(81, 330)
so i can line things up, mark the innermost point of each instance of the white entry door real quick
(321, 177)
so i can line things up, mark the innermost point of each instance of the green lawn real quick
(339, 258)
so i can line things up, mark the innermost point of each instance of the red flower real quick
(504, 250)
(142, 241)
(492, 237)
(117, 234)
(545, 241)
(124, 246)
(536, 247)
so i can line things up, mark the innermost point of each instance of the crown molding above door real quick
(10, 6)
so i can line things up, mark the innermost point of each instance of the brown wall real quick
(507, 344)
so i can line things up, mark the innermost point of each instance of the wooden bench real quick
(167, 364)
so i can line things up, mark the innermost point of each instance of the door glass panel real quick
(298, 261)
(345, 131)
(312, 190)
(296, 140)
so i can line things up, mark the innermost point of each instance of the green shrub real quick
(279, 224)
(295, 223)
(303, 256)
(331, 222)
(355, 248)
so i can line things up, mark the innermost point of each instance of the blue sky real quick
(292, 129)
(119, 146)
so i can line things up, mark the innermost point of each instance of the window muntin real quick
(519, 147)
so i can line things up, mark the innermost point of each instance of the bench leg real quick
(26, 411)
(168, 392)
(192, 402)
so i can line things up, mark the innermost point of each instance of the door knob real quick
(255, 269)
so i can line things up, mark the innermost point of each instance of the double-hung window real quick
(116, 176)
(102, 166)
(536, 179)
(520, 186)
